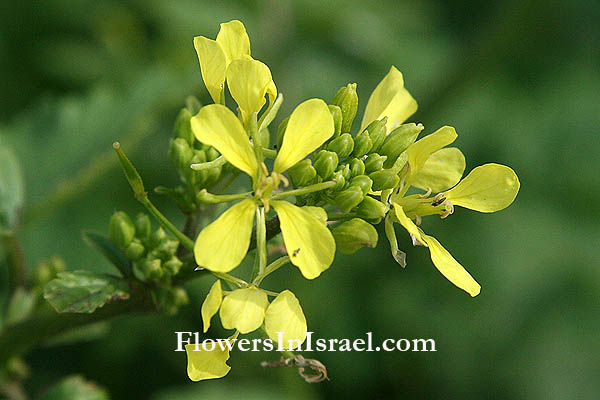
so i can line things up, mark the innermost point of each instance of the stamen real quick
(418, 220)
(449, 210)
(265, 171)
(426, 194)
(438, 199)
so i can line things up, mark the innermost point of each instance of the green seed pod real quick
(343, 145)
(384, 179)
(349, 198)
(357, 167)
(336, 113)
(120, 229)
(377, 133)
(347, 99)
(180, 154)
(325, 163)
(362, 144)
(183, 128)
(351, 235)
(135, 250)
(156, 238)
(302, 173)
(281, 131)
(363, 182)
(172, 266)
(371, 209)
(398, 141)
(142, 225)
(374, 162)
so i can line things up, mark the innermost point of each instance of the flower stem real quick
(274, 266)
(206, 197)
(261, 243)
(217, 162)
(305, 190)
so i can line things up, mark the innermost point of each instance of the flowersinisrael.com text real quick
(310, 344)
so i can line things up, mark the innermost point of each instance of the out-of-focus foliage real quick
(518, 79)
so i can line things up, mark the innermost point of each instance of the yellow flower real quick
(430, 166)
(389, 99)
(223, 244)
(228, 59)
(284, 317)
(204, 364)
(211, 304)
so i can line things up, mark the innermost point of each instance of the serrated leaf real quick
(11, 188)
(76, 388)
(84, 291)
(109, 250)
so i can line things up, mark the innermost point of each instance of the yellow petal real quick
(408, 224)
(487, 188)
(272, 92)
(248, 81)
(450, 268)
(419, 152)
(285, 315)
(234, 40)
(211, 304)
(215, 125)
(390, 99)
(441, 171)
(309, 126)
(317, 212)
(309, 243)
(223, 244)
(244, 309)
(204, 364)
(213, 65)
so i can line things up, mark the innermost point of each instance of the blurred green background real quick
(520, 81)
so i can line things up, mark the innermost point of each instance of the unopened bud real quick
(142, 225)
(172, 266)
(371, 209)
(135, 250)
(347, 99)
(157, 237)
(362, 144)
(351, 235)
(357, 167)
(120, 229)
(343, 145)
(377, 133)
(181, 155)
(325, 163)
(192, 104)
(374, 162)
(398, 141)
(349, 198)
(148, 269)
(338, 176)
(384, 179)
(183, 128)
(363, 182)
(336, 113)
(302, 174)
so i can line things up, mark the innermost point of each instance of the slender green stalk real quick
(261, 241)
(305, 190)
(217, 162)
(274, 266)
(206, 197)
(253, 131)
(168, 225)
(232, 279)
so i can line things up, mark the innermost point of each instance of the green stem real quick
(274, 266)
(232, 279)
(168, 225)
(305, 190)
(206, 197)
(217, 162)
(261, 243)
(15, 261)
(253, 131)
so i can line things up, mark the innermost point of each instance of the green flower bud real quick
(43, 274)
(135, 250)
(340, 179)
(343, 145)
(349, 198)
(362, 144)
(120, 229)
(336, 113)
(212, 154)
(180, 296)
(384, 179)
(357, 167)
(195, 177)
(374, 162)
(181, 154)
(325, 163)
(212, 174)
(345, 170)
(363, 182)
(377, 133)
(142, 225)
(172, 266)
(192, 104)
(167, 248)
(148, 269)
(347, 99)
(281, 131)
(351, 235)
(398, 141)
(302, 174)
(156, 238)
(371, 209)
(183, 128)
(57, 264)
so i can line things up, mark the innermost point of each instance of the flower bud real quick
(157, 237)
(363, 182)
(212, 154)
(120, 229)
(371, 209)
(343, 145)
(167, 248)
(172, 266)
(347, 99)
(212, 174)
(192, 104)
(374, 162)
(357, 167)
(135, 250)
(398, 141)
(281, 131)
(197, 177)
(325, 163)
(338, 176)
(336, 113)
(384, 179)
(345, 170)
(302, 173)
(148, 269)
(142, 225)
(349, 198)
(180, 296)
(362, 144)
(180, 154)
(351, 235)
(183, 128)
(377, 133)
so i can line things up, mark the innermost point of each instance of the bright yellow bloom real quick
(431, 167)
(244, 309)
(204, 364)
(222, 245)
(285, 315)
(211, 304)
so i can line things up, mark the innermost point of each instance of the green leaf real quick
(75, 387)
(109, 250)
(11, 188)
(20, 306)
(84, 291)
